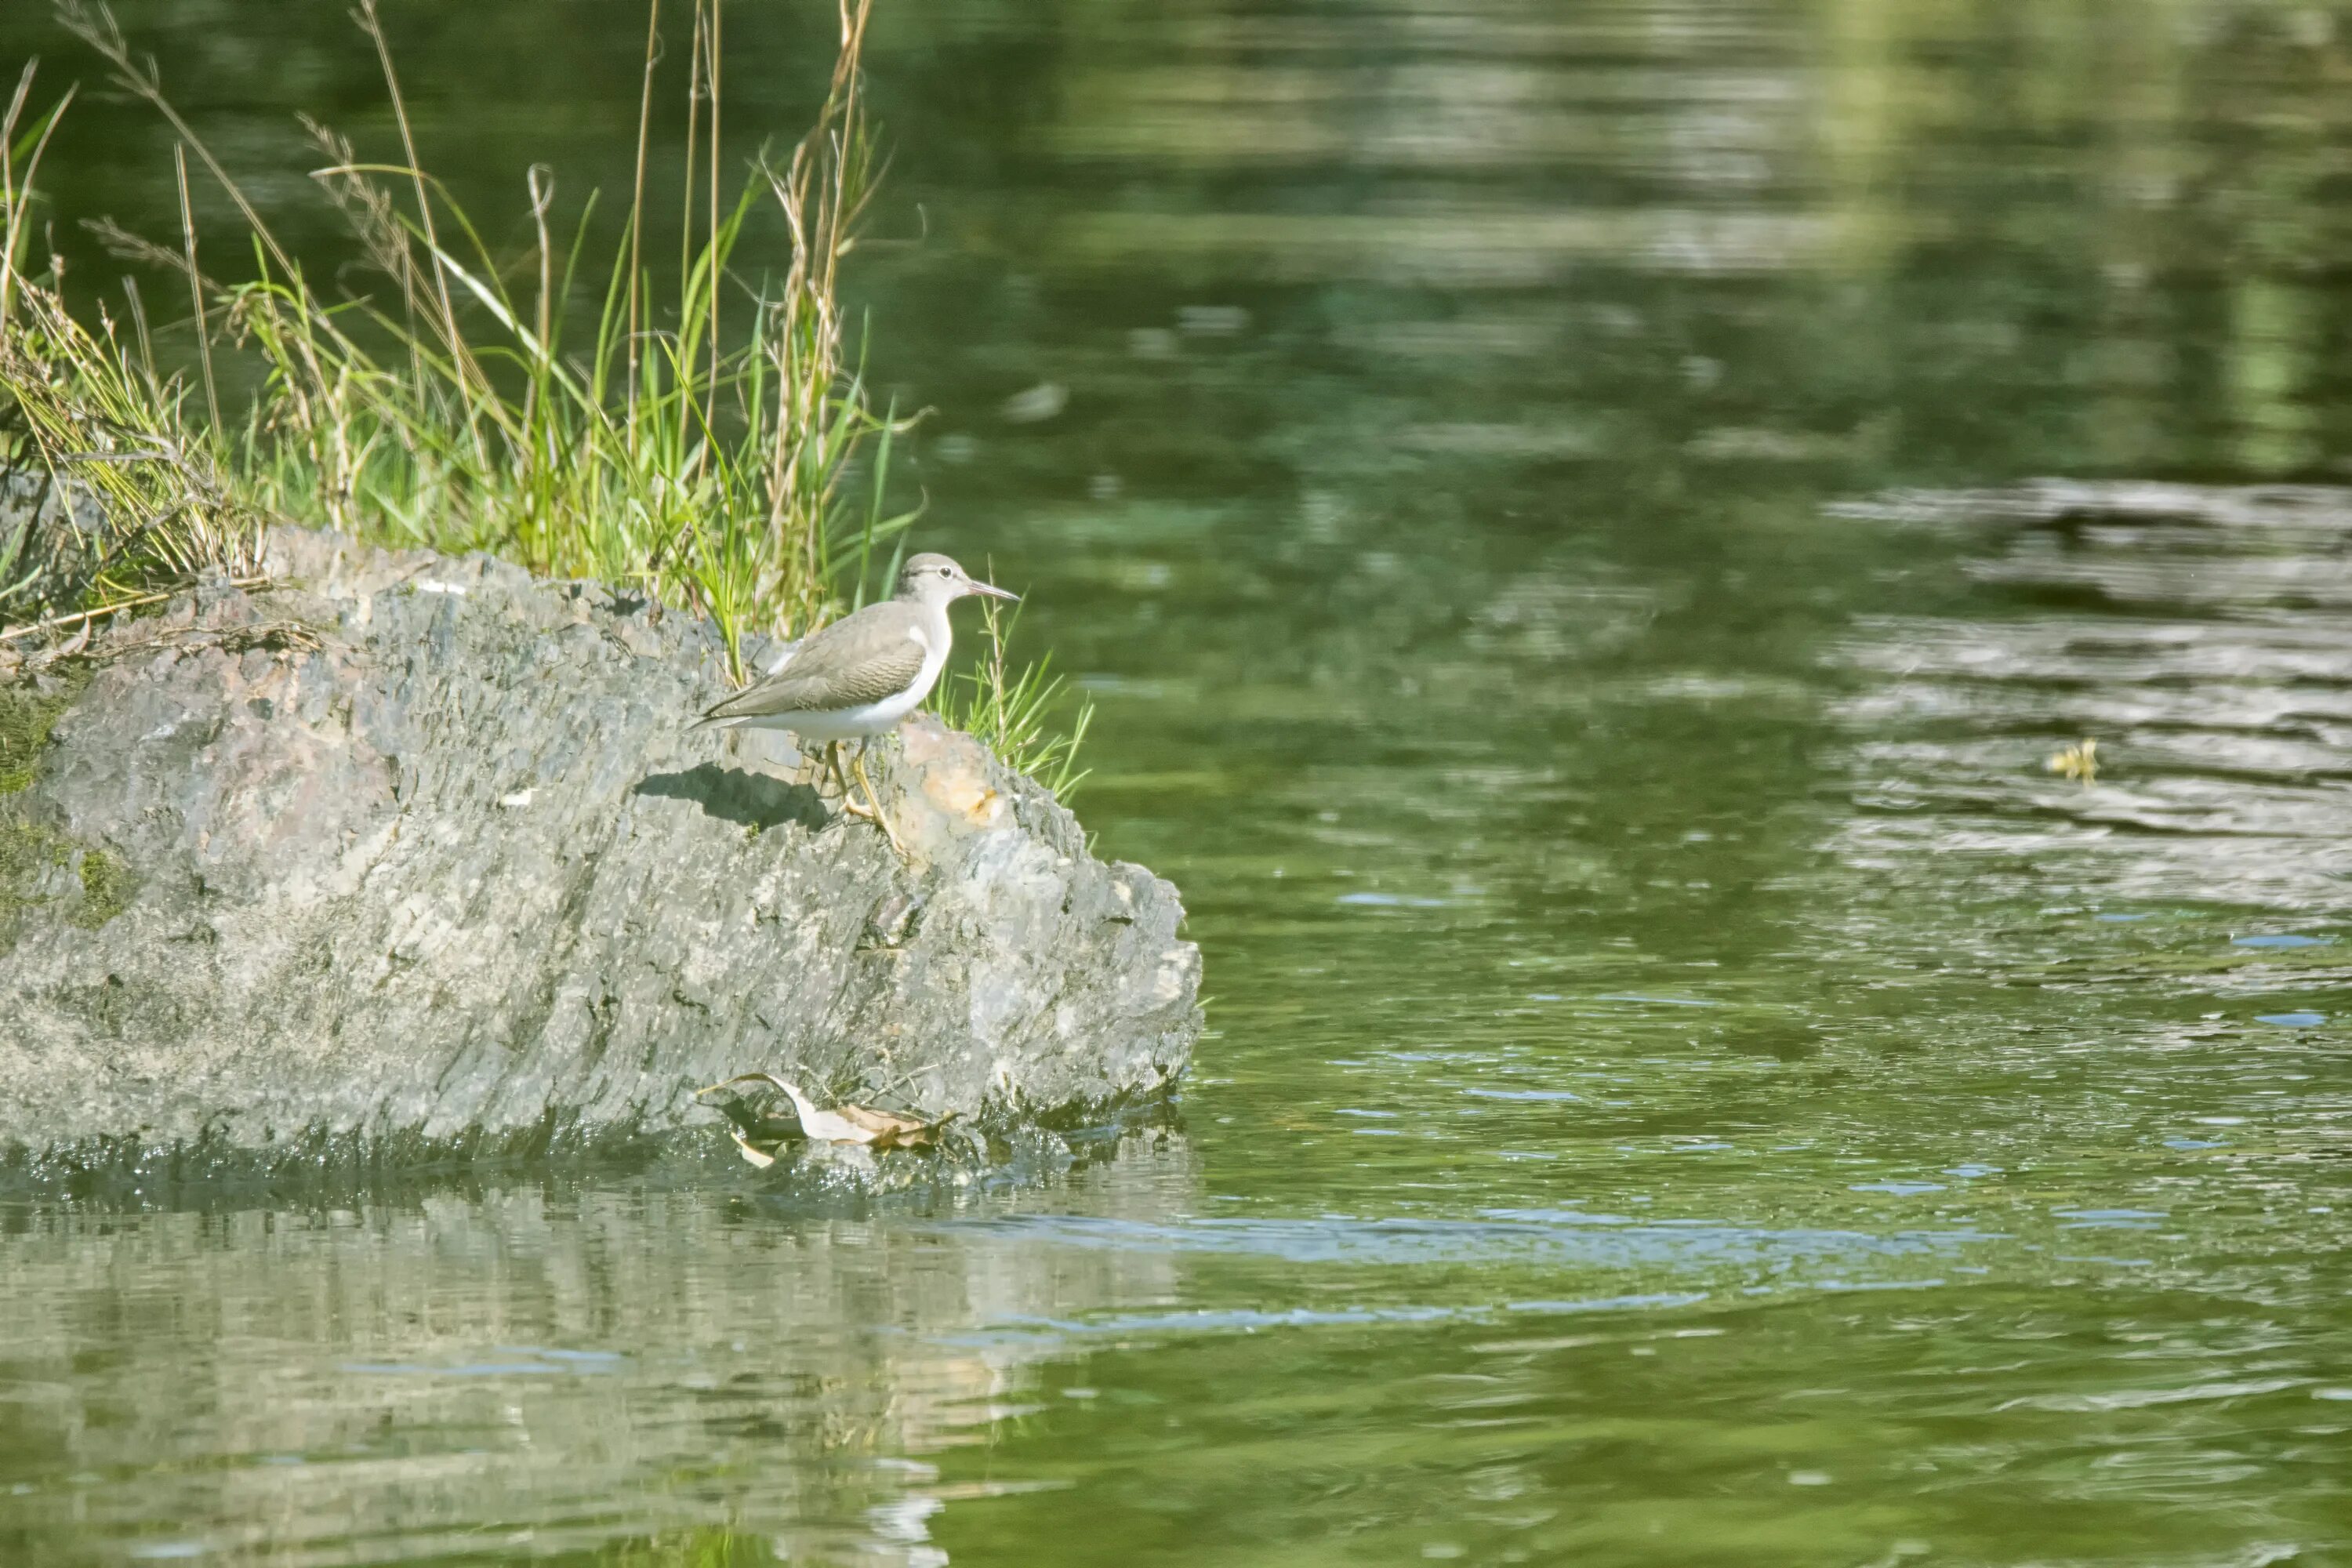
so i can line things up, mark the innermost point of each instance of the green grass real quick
(715, 446)
(150, 506)
(1012, 712)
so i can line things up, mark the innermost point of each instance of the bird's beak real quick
(990, 589)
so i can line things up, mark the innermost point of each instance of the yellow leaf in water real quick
(2079, 762)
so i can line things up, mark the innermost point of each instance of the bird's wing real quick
(852, 662)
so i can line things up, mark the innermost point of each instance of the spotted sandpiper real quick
(859, 677)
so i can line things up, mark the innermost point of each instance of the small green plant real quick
(1012, 714)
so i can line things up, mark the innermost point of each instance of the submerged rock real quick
(415, 850)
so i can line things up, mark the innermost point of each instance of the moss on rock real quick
(26, 716)
(28, 852)
(32, 852)
(107, 885)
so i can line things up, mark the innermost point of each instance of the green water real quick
(1685, 1083)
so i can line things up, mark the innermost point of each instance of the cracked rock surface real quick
(404, 845)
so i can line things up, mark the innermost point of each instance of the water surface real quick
(1532, 490)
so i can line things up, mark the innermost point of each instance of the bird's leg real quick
(841, 778)
(874, 800)
(849, 801)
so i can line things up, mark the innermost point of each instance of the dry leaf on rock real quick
(846, 1123)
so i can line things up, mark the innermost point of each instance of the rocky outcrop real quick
(412, 848)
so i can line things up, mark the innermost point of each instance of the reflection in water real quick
(1687, 1084)
(531, 1369)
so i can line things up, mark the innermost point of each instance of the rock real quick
(418, 851)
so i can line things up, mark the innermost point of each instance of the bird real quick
(859, 677)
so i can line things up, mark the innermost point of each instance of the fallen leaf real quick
(891, 1131)
(846, 1123)
(2080, 762)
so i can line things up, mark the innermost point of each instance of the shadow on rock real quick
(738, 795)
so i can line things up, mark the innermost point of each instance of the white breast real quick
(935, 659)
